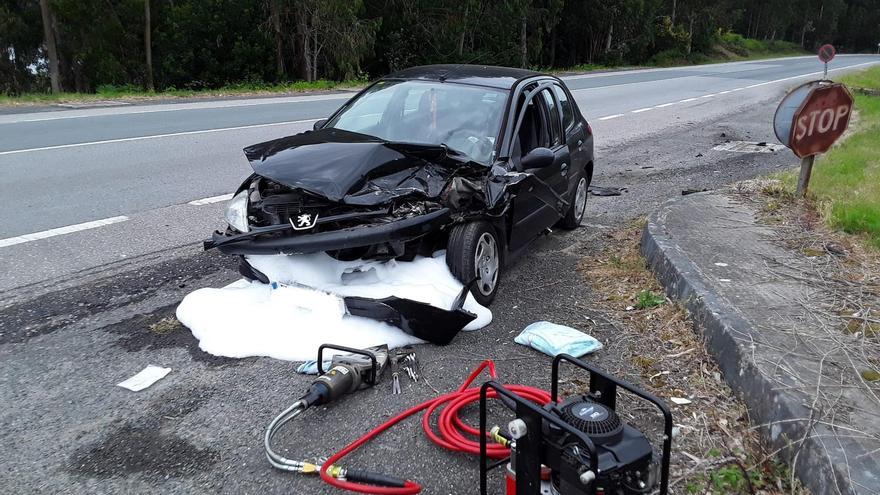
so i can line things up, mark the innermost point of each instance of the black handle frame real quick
(528, 477)
(603, 387)
(371, 378)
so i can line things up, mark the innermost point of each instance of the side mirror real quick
(319, 124)
(538, 158)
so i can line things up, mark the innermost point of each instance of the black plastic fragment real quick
(421, 320)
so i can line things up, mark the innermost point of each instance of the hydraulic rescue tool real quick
(576, 446)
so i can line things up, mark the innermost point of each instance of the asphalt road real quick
(140, 166)
(82, 311)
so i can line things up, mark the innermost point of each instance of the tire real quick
(467, 242)
(575, 214)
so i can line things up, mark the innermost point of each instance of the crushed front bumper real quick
(266, 241)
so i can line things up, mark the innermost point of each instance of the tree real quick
(51, 49)
(148, 45)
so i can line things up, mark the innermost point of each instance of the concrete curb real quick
(780, 414)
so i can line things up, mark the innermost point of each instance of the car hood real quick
(354, 168)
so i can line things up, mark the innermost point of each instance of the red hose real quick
(452, 429)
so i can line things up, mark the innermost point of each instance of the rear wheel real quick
(575, 214)
(474, 254)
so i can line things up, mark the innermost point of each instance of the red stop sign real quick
(821, 119)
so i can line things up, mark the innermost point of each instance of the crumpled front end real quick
(355, 196)
(294, 221)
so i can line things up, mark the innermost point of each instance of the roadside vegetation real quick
(189, 47)
(845, 186)
(729, 47)
(716, 449)
(134, 93)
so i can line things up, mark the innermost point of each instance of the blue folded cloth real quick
(553, 339)
(311, 367)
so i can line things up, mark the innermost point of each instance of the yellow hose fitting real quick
(308, 468)
(495, 434)
(336, 471)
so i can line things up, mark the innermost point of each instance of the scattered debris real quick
(680, 401)
(148, 376)
(721, 264)
(685, 192)
(606, 191)
(749, 147)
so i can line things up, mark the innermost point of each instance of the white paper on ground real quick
(148, 376)
(252, 319)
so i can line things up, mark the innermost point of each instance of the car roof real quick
(482, 75)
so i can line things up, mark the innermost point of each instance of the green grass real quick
(110, 92)
(647, 299)
(846, 181)
(730, 47)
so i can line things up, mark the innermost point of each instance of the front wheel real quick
(474, 254)
(575, 214)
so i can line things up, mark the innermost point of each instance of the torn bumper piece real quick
(430, 323)
(266, 240)
(436, 325)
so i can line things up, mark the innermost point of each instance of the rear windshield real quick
(465, 118)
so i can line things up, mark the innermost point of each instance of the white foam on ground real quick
(252, 319)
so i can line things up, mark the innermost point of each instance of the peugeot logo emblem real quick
(303, 221)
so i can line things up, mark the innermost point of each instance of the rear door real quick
(559, 146)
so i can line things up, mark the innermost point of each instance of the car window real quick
(465, 118)
(555, 124)
(567, 110)
(534, 132)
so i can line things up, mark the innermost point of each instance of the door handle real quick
(564, 169)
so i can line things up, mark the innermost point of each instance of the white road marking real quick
(11, 241)
(155, 136)
(686, 100)
(808, 75)
(212, 199)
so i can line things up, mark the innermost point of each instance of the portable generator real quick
(579, 446)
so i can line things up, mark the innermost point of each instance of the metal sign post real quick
(804, 178)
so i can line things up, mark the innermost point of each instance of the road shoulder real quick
(748, 295)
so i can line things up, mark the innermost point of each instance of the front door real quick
(531, 212)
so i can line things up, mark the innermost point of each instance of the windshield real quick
(464, 118)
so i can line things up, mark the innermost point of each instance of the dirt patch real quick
(148, 447)
(715, 447)
(161, 330)
(20, 322)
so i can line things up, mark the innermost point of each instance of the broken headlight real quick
(236, 212)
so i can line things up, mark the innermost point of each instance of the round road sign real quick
(827, 53)
(821, 119)
(787, 107)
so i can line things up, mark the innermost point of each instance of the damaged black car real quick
(475, 160)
